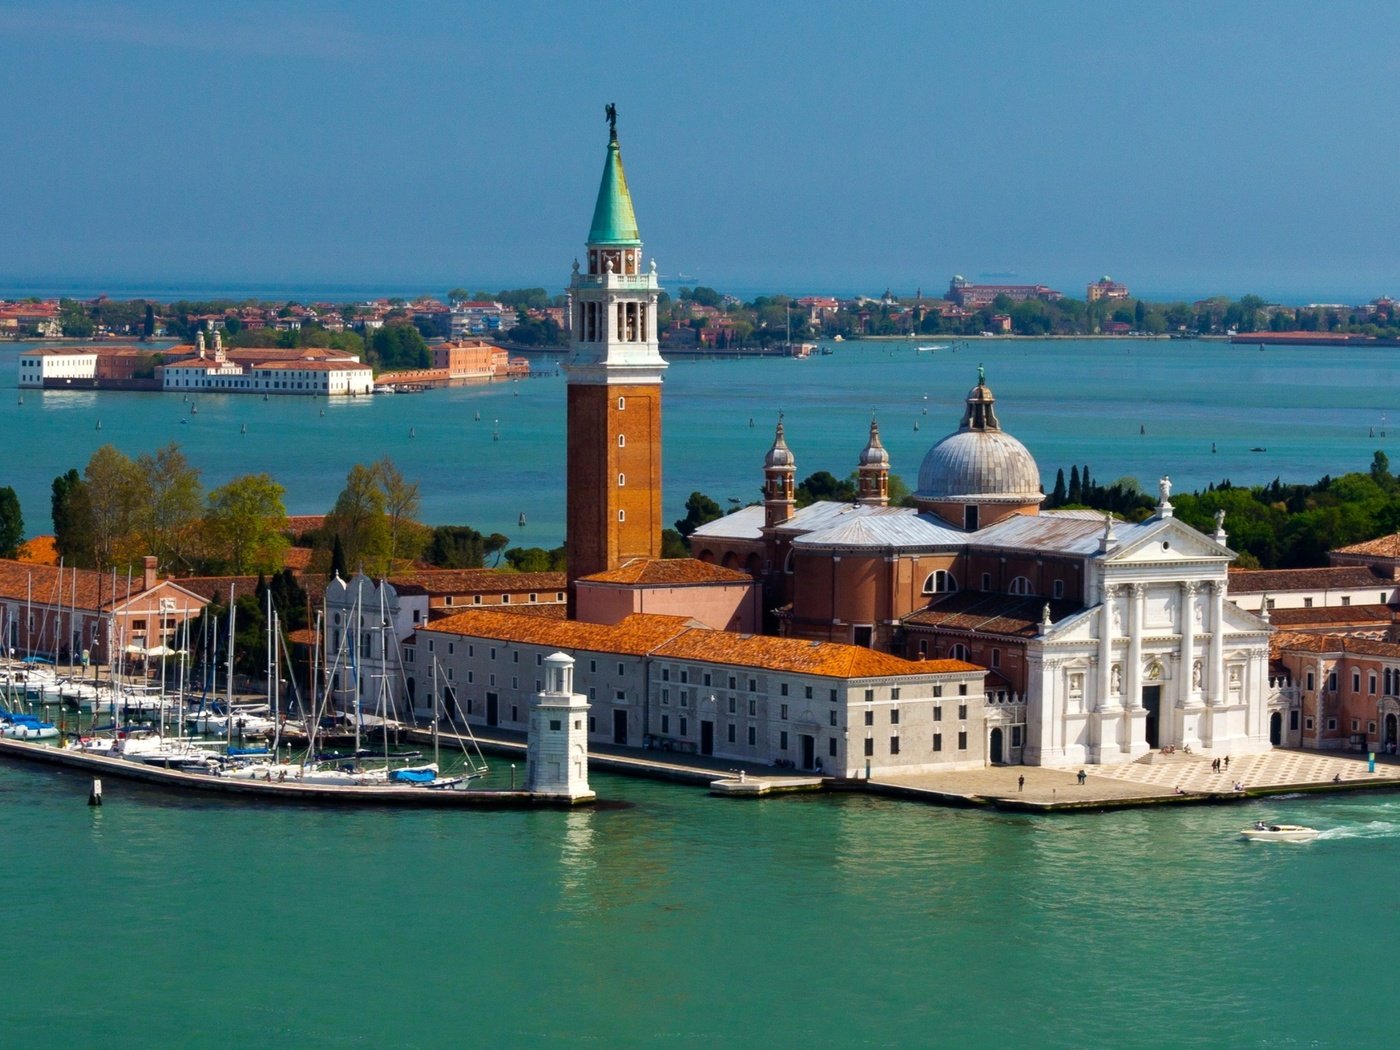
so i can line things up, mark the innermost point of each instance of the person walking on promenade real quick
(1082, 776)
(1227, 761)
(1021, 782)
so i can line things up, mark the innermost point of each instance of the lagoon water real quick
(1315, 410)
(684, 920)
(676, 918)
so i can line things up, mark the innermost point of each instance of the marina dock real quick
(276, 791)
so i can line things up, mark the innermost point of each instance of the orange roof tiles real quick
(669, 572)
(481, 581)
(1384, 547)
(1262, 581)
(635, 635)
(1316, 643)
(824, 659)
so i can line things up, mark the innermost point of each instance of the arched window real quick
(1021, 585)
(959, 652)
(621, 480)
(622, 515)
(622, 441)
(787, 563)
(621, 404)
(940, 582)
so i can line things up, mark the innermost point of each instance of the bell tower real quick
(614, 370)
(779, 469)
(874, 472)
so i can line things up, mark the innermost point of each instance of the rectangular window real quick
(1355, 724)
(783, 691)
(833, 696)
(894, 745)
(620, 697)
(685, 697)
(753, 736)
(962, 740)
(592, 724)
(1331, 725)
(783, 715)
(493, 652)
(683, 727)
(665, 674)
(731, 733)
(962, 712)
(962, 689)
(1058, 589)
(831, 747)
(807, 692)
(1356, 681)
(996, 657)
(732, 681)
(938, 712)
(733, 704)
(894, 693)
(869, 695)
(1308, 724)
(622, 670)
(938, 690)
(1371, 728)
(685, 676)
(1015, 736)
(1293, 720)
(753, 708)
(986, 581)
(706, 679)
(832, 715)
(782, 740)
(1346, 599)
(869, 747)
(665, 723)
(515, 656)
(592, 666)
(938, 741)
(894, 716)
(870, 717)
(665, 696)
(1307, 603)
(753, 685)
(554, 723)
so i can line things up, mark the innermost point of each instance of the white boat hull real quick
(1280, 833)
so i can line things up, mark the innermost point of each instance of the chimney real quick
(148, 578)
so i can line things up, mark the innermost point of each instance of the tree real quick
(116, 491)
(247, 521)
(398, 346)
(1380, 469)
(338, 559)
(673, 544)
(72, 519)
(456, 547)
(1057, 498)
(699, 509)
(170, 513)
(11, 523)
(358, 521)
(823, 485)
(401, 503)
(535, 559)
(1076, 491)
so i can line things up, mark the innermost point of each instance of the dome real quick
(985, 465)
(874, 454)
(779, 456)
(979, 462)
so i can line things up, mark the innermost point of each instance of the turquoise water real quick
(690, 921)
(1070, 402)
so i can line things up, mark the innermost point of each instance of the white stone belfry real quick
(557, 752)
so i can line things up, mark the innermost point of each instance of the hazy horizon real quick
(1186, 150)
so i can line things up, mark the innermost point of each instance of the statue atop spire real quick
(981, 375)
(610, 112)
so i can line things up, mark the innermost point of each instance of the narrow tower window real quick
(621, 480)
(622, 515)
(622, 441)
(621, 404)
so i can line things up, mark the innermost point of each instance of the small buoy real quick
(522, 519)
(1373, 432)
(243, 429)
(750, 421)
(925, 411)
(323, 411)
(916, 424)
(95, 796)
(194, 410)
(412, 431)
(21, 399)
(478, 417)
(1142, 428)
(1212, 446)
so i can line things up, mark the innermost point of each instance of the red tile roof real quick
(635, 635)
(1274, 581)
(796, 656)
(1384, 547)
(669, 572)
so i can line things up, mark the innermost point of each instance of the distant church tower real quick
(557, 747)
(614, 369)
(779, 469)
(874, 471)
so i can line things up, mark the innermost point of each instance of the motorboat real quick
(1262, 832)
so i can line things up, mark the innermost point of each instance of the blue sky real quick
(1183, 148)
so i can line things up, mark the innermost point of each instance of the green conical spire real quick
(614, 221)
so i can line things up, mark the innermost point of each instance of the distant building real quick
(975, 296)
(307, 371)
(468, 319)
(50, 366)
(1106, 288)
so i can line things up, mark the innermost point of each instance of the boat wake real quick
(1373, 829)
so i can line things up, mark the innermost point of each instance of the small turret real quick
(779, 473)
(874, 471)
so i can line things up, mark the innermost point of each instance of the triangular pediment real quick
(1167, 540)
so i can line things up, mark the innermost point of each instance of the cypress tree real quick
(1076, 494)
(338, 559)
(1057, 498)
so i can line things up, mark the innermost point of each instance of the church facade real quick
(1103, 639)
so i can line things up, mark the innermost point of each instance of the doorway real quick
(1152, 704)
(620, 728)
(994, 747)
(1392, 724)
(707, 737)
(809, 750)
(1276, 728)
(493, 709)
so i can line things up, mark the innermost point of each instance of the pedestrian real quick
(1227, 761)
(1082, 775)
(1021, 782)
(1239, 786)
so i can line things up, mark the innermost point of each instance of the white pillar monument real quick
(557, 752)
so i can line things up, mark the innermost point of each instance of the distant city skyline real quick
(1186, 150)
